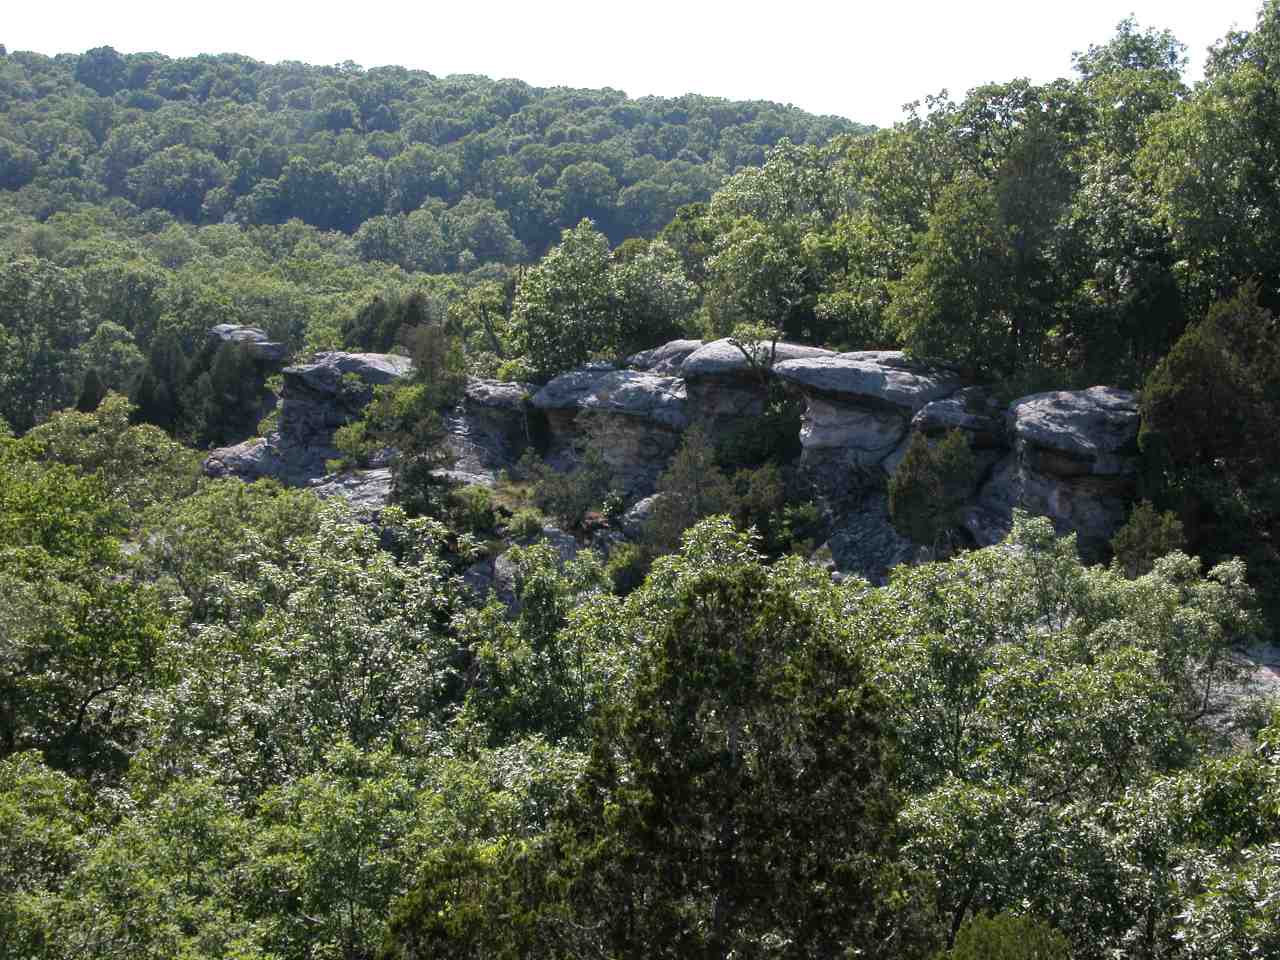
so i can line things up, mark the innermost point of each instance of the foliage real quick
(1208, 414)
(747, 758)
(570, 494)
(525, 523)
(1146, 537)
(929, 486)
(1007, 936)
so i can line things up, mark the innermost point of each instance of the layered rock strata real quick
(633, 417)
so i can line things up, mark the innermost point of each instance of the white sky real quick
(858, 59)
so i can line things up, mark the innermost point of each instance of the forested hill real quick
(571, 662)
(436, 173)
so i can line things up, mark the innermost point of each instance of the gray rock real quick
(879, 378)
(866, 434)
(1074, 461)
(629, 393)
(256, 341)
(635, 519)
(368, 491)
(633, 418)
(722, 358)
(858, 407)
(972, 410)
(1092, 431)
(325, 372)
(665, 359)
(331, 391)
(488, 430)
(866, 544)
(317, 398)
(249, 460)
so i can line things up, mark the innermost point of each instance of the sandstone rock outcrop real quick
(1074, 460)
(858, 410)
(725, 388)
(256, 341)
(665, 359)
(1068, 455)
(489, 430)
(637, 418)
(319, 396)
(331, 391)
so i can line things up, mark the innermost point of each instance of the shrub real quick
(696, 488)
(929, 485)
(525, 523)
(773, 437)
(1008, 937)
(626, 567)
(569, 496)
(1145, 537)
(471, 509)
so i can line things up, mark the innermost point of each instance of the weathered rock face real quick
(726, 389)
(318, 397)
(489, 430)
(368, 491)
(256, 341)
(332, 391)
(864, 541)
(666, 359)
(1068, 455)
(1075, 461)
(859, 408)
(637, 418)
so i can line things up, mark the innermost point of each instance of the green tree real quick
(45, 323)
(562, 310)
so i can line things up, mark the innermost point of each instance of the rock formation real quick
(256, 341)
(1068, 455)
(1074, 460)
(859, 409)
(725, 386)
(487, 431)
(637, 418)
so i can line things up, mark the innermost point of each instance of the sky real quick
(857, 59)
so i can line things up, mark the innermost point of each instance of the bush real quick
(515, 370)
(525, 523)
(471, 510)
(773, 437)
(569, 496)
(929, 485)
(695, 488)
(1008, 937)
(1145, 537)
(626, 568)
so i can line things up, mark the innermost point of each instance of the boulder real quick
(638, 420)
(317, 398)
(488, 430)
(864, 542)
(972, 410)
(636, 518)
(870, 378)
(724, 358)
(725, 388)
(1075, 461)
(1072, 433)
(256, 341)
(368, 491)
(858, 409)
(665, 359)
